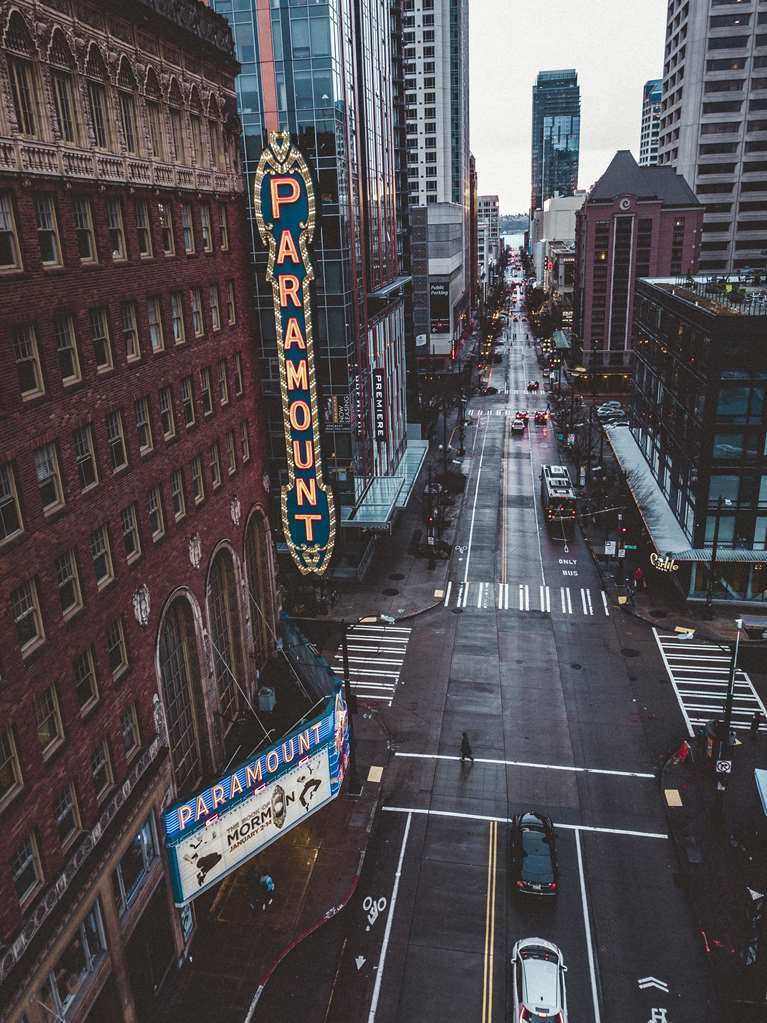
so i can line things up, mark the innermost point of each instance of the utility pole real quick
(731, 685)
(712, 565)
(355, 788)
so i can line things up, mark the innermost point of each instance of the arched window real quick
(64, 88)
(126, 89)
(176, 112)
(195, 116)
(22, 71)
(259, 577)
(154, 114)
(98, 99)
(225, 634)
(180, 681)
(214, 132)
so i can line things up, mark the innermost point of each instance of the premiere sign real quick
(283, 199)
(379, 404)
(217, 830)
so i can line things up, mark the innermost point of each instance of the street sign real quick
(631, 547)
(723, 766)
(610, 547)
(622, 552)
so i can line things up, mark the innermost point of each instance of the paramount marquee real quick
(284, 205)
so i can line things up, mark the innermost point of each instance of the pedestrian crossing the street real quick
(376, 655)
(699, 673)
(494, 596)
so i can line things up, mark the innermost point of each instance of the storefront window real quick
(725, 487)
(78, 961)
(134, 866)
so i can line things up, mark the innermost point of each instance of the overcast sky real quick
(614, 45)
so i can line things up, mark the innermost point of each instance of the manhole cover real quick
(457, 610)
(397, 575)
(628, 651)
(657, 612)
(390, 592)
(576, 666)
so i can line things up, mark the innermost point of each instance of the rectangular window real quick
(10, 510)
(131, 538)
(48, 478)
(102, 347)
(68, 583)
(27, 870)
(205, 227)
(101, 770)
(155, 130)
(97, 101)
(143, 425)
(116, 441)
(187, 401)
(11, 778)
(67, 815)
(231, 308)
(198, 483)
(10, 254)
(128, 118)
(177, 317)
(206, 390)
(86, 687)
(28, 366)
(136, 863)
(66, 348)
(177, 494)
(231, 453)
(47, 231)
(24, 95)
(143, 229)
(77, 964)
(154, 514)
(165, 214)
(215, 466)
(116, 229)
(215, 308)
(130, 732)
(154, 319)
(130, 331)
(244, 442)
(117, 654)
(237, 374)
(102, 556)
(215, 148)
(167, 417)
(85, 458)
(187, 228)
(50, 732)
(196, 139)
(198, 325)
(223, 382)
(86, 238)
(177, 131)
(223, 228)
(26, 615)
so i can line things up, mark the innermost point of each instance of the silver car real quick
(539, 982)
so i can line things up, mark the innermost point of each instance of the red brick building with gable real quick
(137, 589)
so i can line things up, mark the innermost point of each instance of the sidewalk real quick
(315, 867)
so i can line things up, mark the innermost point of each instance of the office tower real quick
(556, 135)
(137, 586)
(324, 74)
(714, 123)
(636, 222)
(473, 238)
(648, 136)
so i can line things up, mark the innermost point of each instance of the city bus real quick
(557, 496)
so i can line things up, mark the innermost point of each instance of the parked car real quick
(534, 854)
(539, 982)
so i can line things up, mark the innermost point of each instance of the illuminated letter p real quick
(284, 198)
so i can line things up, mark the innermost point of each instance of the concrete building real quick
(714, 123)
(473, 235)
(488, 239)
(439, 283)
(138, 589)
(636, 221)
(554, 225)
(339, 111)
(555, 136)
(652, 95)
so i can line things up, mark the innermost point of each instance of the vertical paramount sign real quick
(284, 204)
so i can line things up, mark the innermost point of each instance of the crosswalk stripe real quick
(502, 596)
(376, 654)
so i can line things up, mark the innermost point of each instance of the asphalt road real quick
(561, 697)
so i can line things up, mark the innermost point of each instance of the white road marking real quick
(500, 596)
(588, 601)
(535, 509)
(542, 597)
(474, 505)
(387, 931)
(526, 763)
(604, 603)
(562, 597)
(569, 601)
(460, 594)
(583, 601)
(447, 593)
(587, 928)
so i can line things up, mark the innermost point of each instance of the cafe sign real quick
(666, 564)
(283, 199)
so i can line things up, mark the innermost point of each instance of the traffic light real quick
(623, 530)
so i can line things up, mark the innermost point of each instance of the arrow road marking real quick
(645, 982)
(359, 962)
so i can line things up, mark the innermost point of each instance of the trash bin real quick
(266, 699)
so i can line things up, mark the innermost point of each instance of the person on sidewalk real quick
(466, 748)
(756, 721)
(639, 579)
(262, 888)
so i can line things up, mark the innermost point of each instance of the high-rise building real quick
(324, 74)
(556, 135)
(488, 239)
(473, 241)
(714, 123)
(137, 587)
(652, 95)
(636, 221)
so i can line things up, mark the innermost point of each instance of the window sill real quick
(118, 673)
(70, 841)
(9, 796)
(131, 559)
(157, 537)
(102, 584)
(101, 796)
(30, 896)
(29, 648)
(31, 395)
(52, 748)
(11, 537)
(87, 709)
(102, 370)
(71, 612)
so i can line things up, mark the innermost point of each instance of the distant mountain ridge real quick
(509, 223)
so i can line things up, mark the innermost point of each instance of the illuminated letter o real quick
(272, 761)
(300, 410)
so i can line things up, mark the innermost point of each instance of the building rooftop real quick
(737, 295)
(624, 176)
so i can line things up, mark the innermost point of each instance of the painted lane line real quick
(562, 596)
(426, 812)
(447, 593)
(542, 597)
(460, 594)
(583, 601)
(466, 595)
(587, 928)
(548, 600)
(387, 931)
(535, 509)
(487, 980)
(588, 598)
(527, 597)
(604, 603)
(527, 763)
(474, 505)
(500, 596)
(569, 601)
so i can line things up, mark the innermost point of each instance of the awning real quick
(409, 467)
(375, 506)
(388, 289)
(760, 777)
(561, 340)
(722, 554)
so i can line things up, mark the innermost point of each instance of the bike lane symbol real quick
(373, 908)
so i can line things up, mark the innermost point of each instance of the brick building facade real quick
(137, 585)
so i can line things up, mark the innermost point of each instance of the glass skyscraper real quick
(556, 135)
